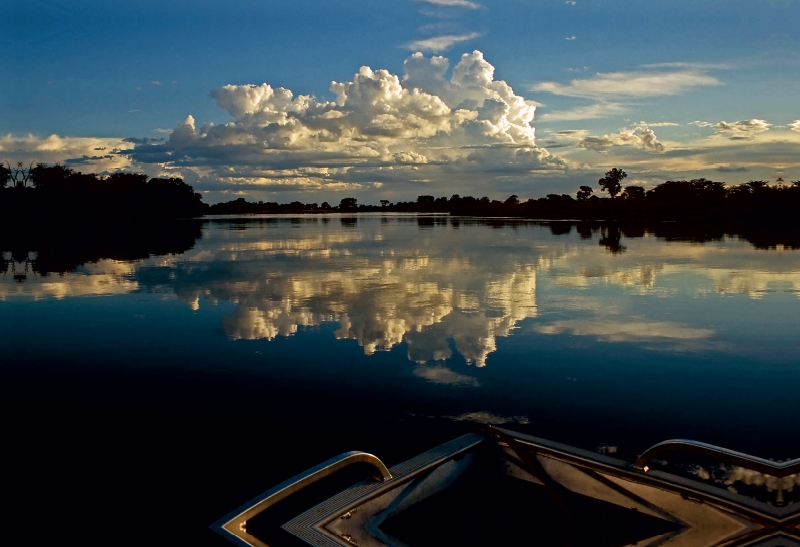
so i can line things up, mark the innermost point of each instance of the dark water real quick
(185, 383)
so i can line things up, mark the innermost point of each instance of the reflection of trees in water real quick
(610, 235)
(560, 228)
(62, 249)
(17, 263)
(454, 293)
(611, 239)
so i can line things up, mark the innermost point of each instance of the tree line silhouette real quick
(58, 193)
(696, 200)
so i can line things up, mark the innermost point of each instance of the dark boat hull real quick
(554, 492)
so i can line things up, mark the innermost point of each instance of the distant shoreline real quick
(56, 194)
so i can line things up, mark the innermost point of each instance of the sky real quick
(316, 101)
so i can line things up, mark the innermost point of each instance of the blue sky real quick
(664, 90)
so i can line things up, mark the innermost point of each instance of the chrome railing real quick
(235, 523)
(767, 467)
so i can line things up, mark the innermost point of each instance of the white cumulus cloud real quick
(638, 136)
(743, 129)
(380, 128)
(87, 154)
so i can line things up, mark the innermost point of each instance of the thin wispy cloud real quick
(453, 3)
(795, 126)
(586, 112)
(630, 84)
(692, 66)
(570, 38)
(437, 44)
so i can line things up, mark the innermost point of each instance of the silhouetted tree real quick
(584, 193)
(611, 181)
(348, 204)
(635, 193)
(681, 198)
(60, 192)
(5, 175)
(512, 201)
(757, 185)
(325, 206)
(385, 203)
(19, 174)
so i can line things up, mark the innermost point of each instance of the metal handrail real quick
(767, 467)
(235, 523)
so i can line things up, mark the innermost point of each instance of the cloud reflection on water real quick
(382, 301)
(625, 331)
(103, 278)
(441, 289)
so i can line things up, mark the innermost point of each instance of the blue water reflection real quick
(494, 322)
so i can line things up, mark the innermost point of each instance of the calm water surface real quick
(182, 385)
(514, 323)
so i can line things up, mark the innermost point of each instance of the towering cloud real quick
(380, 128)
